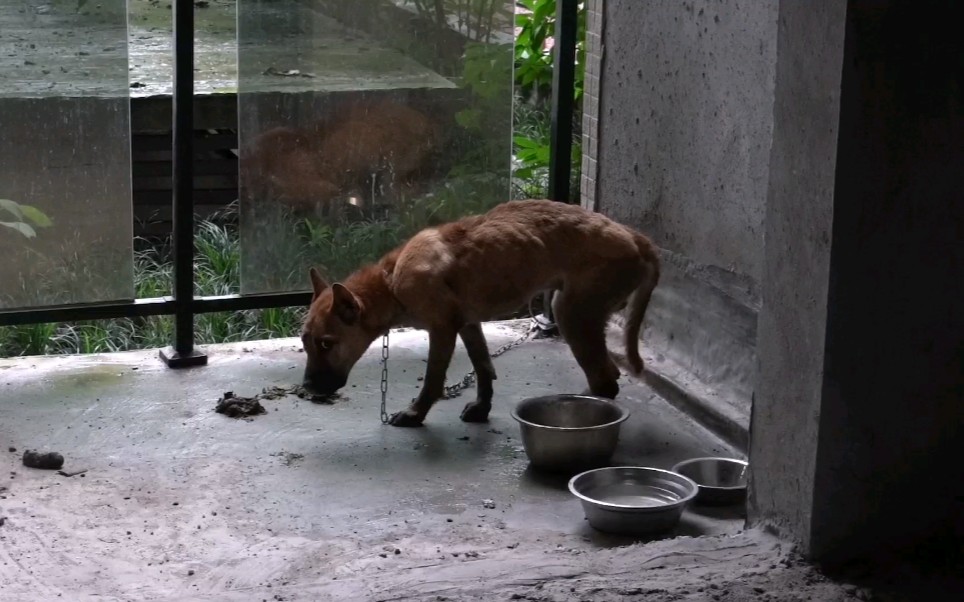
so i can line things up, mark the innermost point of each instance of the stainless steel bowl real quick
(721, 481)
(569, 432)
(632, 500)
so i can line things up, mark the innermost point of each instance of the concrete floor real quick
(318, 502)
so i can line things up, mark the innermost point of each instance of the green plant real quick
(25, 218)
(534, 63)
(487, 75)
(536, 22)
(477, 19)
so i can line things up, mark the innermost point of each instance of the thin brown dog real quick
(451, 278)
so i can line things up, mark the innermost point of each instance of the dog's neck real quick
(381, 311)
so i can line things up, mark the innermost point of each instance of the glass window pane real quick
(362, 121)
(66, 233)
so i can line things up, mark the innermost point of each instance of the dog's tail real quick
(639, 300)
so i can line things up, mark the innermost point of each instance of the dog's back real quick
(493, 263)
(533, 241)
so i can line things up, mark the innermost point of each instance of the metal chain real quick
(384, 376)
(450, 391)
(453, 391)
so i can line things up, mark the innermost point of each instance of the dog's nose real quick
(322, 384)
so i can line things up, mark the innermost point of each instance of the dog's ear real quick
(345, 304)
(318, 284)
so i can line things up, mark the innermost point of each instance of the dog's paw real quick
(476, 411)
(406, 418)
(607, 392)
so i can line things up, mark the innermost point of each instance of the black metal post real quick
(183, 353)
(563, 84)
(560, 132)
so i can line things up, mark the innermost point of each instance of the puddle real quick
(84, 381)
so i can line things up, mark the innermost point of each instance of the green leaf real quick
(543, 10)
(469, 118)
(11, 207)
(20, 227)
(525, 142)
(38, 217)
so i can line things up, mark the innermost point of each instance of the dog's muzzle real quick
(323, 383)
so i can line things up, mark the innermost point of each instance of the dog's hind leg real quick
(582, 322)
(441, 345)
(474, 340)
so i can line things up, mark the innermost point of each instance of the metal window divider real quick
(182, 353)
(560, 129)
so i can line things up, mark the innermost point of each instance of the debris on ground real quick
(233, 406)
(289, 458)
(236, 406)
(45, 461)
(72, 473)
(300, 392)
(489, 504)
(286, 72)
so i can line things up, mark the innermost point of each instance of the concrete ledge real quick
(686, 393)
(700, 403)
(699, 344)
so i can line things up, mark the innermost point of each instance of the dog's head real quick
(332, 335)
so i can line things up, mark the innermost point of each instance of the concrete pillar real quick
(859, 400)
(796, 265)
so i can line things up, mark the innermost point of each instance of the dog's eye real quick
(325, 343)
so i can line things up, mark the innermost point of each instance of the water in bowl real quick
(639, 496)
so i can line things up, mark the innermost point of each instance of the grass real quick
(217, 266)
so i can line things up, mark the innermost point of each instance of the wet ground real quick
(90, 48)
(319, 502)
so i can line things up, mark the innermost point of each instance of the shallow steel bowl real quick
(632, 500)
(569, 432)
(721, 481)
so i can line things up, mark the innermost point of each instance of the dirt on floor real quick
(122, 535)
(162, 498)
(140, 551)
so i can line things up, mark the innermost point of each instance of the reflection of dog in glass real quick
(383, 145)
(449, 279)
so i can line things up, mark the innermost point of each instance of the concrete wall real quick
(796, 268)
(892, 403)
(861, 335)
(685, 118)
(853, 115)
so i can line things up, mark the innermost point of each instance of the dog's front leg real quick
(441, 345)
(478, 410)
